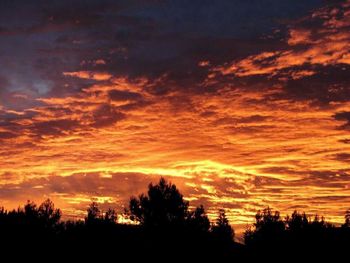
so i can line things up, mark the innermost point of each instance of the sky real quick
(243, 104)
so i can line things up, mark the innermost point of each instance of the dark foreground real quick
(118, 243)
(166, 231)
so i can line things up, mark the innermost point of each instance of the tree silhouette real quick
(198, 220)
(48, 214)
(93, 213)
(318, 223)
(267, 219)
(222, 229)
(269, 229)
(297, 222)
(347, 218)
(167, 226)
(162, 206)
(31, 210)
(110, 216)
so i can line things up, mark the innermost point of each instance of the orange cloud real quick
(325, 45)
(89, 75)
(224, 152)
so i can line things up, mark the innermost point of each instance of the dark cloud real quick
(334, 179)
(7, 135)
(3, 84)
(346, 141)
(324, 178)
(343, 157)
(106, 115)
(55, 127)
(343, 116)
(120, 95)
(135, 38)
(280, 170)
(329, 84)
(312, 66)
(117, 185)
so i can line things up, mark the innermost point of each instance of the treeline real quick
(166, 229)
(299, 233)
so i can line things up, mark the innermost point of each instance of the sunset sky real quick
(242, 104)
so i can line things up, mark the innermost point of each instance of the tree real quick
(222, 229)
(319, 223)
(198, 220)
(347, 218)
(268, 229)
(93, 213)
(297, 222)
(48, 214)
(162, 206)
(110, 216)
(267, 219)
(31, 210)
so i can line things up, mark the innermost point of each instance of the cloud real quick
(106, 115)
(343, 116)
(312, 65)
(344, 157)
(113, 190)
(327, 45)
(7, 135)
(99, 76)
(55, 127)
(120, 95)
